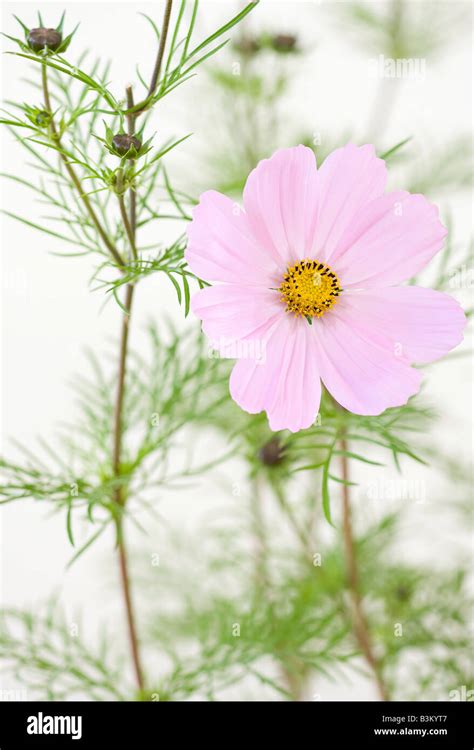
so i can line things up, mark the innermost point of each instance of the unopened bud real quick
(402, 593)
(39, 39)
(42, 118)
(247, 45)
(284, 42)
(272, 452)
(122, 143)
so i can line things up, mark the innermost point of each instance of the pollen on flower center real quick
(309, 288)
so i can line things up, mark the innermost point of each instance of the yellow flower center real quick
(309, 288)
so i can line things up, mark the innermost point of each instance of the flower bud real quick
(402, 593)
(284, 42)
(39, 39)
(42, 118)
(38, 116)
(272, 452)
(248, 45)
(122, 144)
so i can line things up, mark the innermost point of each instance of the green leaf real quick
(187, 296)
(39, 228)
(190, 31)
(25, 28)
(223, 29)
(152, 24)
(86, 546)
(69, 525)
(357, 457)
(325, 494)
(176, 286)
(205, 57)
(59, 27)
(394, 149)
(343, 481)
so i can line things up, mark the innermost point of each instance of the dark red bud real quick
(122, 143)
(39, 39)
(247, 45)
(272, 452)
(284, 42)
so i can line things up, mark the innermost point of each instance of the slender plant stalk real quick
(130, 612)
(130, 227)
(361, 630)
(119, 495)
(131, 131)
(288, 512)
(129, 221)
(117, 447)
(117, 433)
(74, 178)
(161, 48)
(127, 224)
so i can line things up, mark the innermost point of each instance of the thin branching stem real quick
(131, 131)
(118, 412)
(72, 174)
(119, 497)
(125, 218)
(130, 612)
(361, 629)
(129, 222)
(161, 48)
(290, 516)
(117, 448)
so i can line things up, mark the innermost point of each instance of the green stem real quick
(161, 48)
(139, 108)
(287, 510)
(130, 227)
(119, 497)
(125, 219)
(131, 131)
(74, 178)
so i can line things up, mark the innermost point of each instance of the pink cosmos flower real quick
(308, 274)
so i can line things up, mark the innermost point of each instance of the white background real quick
(50, 315)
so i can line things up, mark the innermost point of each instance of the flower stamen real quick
(310, 288)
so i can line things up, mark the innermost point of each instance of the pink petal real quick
(359, 365)
(393, 239)
(287, 384)
(221, 246)
(348, 180)
(280, 200)
(235, 312)
(422, 323)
